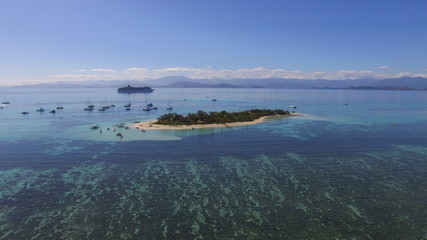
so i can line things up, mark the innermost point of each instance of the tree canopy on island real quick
(222, 117)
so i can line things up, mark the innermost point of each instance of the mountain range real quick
(405, 83)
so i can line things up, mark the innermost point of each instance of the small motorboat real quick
(293, 106)
(94, 127)
(24, 113)
(41, 110)
(53, 111)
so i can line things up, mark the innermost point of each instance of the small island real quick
(203, 119)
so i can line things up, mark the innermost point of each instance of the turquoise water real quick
(356, 171)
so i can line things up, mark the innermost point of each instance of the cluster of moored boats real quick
(91, 107)
(148, 107)
(115, 128)
(40, 109)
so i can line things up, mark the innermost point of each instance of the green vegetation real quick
(202, 117)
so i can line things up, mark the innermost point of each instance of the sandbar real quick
(151, 125)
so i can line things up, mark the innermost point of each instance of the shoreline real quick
(151, 125)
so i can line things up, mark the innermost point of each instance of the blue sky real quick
(73, 40)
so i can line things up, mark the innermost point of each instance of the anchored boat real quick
(130, 89)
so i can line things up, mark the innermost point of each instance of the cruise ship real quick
(130, 89)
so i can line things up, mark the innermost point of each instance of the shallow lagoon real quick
(339, 172)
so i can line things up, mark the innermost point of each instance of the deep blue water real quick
(356, 171)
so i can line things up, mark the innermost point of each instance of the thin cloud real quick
(383, 67)
(139, 73)
(102, 70)
(136, 69)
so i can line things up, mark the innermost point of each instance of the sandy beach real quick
(151, 125)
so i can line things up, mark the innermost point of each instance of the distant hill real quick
(405, 82)
(187, 84)
(417, 83)
(393, 83)
(384, 88)
(183, 82)
(413, 83)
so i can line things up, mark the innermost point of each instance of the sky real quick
(75, 40)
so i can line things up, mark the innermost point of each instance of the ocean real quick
(356, 171)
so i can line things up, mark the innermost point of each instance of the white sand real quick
(151, 125)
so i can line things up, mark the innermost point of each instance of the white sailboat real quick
(169, 107)
(90, 106)
(148, 106)
(59, 107)
(346, 103)
(5, 101)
